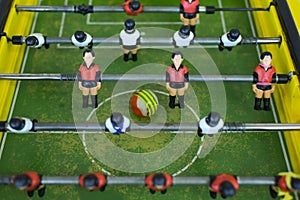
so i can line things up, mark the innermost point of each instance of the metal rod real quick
(128, 77)
(82, 9)
(97, 128)
(160, 41)
(140, 180)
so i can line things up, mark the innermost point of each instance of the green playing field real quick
(69, 154)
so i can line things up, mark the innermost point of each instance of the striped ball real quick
(144, 103)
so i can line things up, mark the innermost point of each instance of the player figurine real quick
(177, 78)
(93, 181)
(89, 77)
(285, 184)
(82, 39)
(117, 123)
(230, 40)
(30, 181)
(263, 77)
(210, 124)
(158, 182)
(129, 40)
(21, 125)
(225, 184)
(189, 13)
(183, 37)
(132, 7)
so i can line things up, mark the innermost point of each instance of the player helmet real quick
(134, 5)
(80, 36)
(90, 180)
(213, 119)
(233, 34)
(129, 24)
(17, 123)
(159, 180)
(117, 119)
(31, 41)
(184, 31)
(22, 180)
(227, 189)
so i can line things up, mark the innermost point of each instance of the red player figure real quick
(129, 40)
(89, 77)
(225, 184)
(158, 182)
(93, 181)
(263, 77)
(285, 184)
(189, 13)
(177, 78)
(30, 181)
(132, 7)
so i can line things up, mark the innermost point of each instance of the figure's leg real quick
(85, 97)
(258, 98)
(94, 97)
(172, 97)
(134, 55)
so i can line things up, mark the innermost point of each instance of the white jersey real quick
(85, 43)
(28, 125)
(117, 130)
(129, 40)
(207, 129)
(228, 43)
(182, 42)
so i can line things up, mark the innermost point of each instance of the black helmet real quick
(159, 180)
(31, 41)
(116, 119)
(227, 189)
(17, 123)
(295, 183)
(134, 5)
(213, 119)
(90, 180)
(80, 36)
(129, 24)
(22, 180)
(184, 31)
(233, 34)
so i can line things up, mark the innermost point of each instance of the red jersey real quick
(215, 186)
(178, 76)
(149, 183)
(89, 74)
(35, 180)
(264, 75)
(192, 7)
(282, 184)
(126, 6)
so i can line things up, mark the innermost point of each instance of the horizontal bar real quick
(84, 9)
(97, 128)
(140, 180)
(128, 77)
(153, 41)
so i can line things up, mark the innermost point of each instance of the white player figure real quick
(82, 39)
(117, 123)
(20, 125)
(36, 40)
(230, 40)
(211, 124)
(183, 37)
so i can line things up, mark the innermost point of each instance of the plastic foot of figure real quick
(152, 191)
(257, 104)
(273, 193)
(213, 194)
(126, 57)
(181, 101)
(193, 30)
(134, 57)
(41, 191)
(163, 191)
(172, 101)
(94, 101)
(30, 193)
(85, 101)
(221, 48)
(267, 104)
